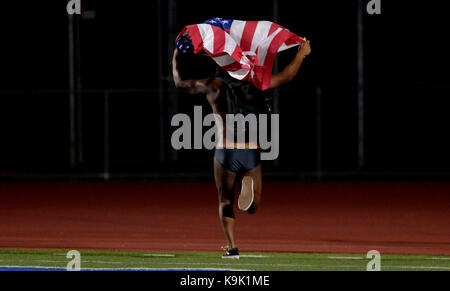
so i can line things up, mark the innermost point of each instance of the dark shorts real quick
(238, 160)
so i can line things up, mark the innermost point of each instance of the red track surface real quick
(403, 218)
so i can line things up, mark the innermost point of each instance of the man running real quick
(237, 163)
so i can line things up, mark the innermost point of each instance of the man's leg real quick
(226, 182)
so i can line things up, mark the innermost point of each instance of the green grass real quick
(270, 261)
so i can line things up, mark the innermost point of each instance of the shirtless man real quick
(238, 164)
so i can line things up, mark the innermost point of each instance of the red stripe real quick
(266, 74)
(237, 54)
(233, 67)
(290, 41)
(293, 39)
(258, 77)
(196, 37)
(247, 35)
(273, 27)
(219, 54)
(219, 39)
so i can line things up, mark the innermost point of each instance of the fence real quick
(125, 134)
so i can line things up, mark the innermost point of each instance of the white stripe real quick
(237, 29)
(230, 46)
(239, 74)
(444, 259)
(346, 258)
(224, 60)
(304, 265)
(207, 34)
(284, 47)
(32, 267)
(264, 47)
(240, 264)
(158, 255)
(261, 33)
(118, 269)
(417, 267)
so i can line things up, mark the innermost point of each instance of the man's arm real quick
(292, 69)
(190, 86)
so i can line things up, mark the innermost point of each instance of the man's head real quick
(193, 66)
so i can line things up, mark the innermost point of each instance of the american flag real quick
(245, 49)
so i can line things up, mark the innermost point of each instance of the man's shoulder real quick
(215, 88)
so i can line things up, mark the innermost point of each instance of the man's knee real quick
(226, 208)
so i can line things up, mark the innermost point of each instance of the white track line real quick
(254, 265)
(249, 264)
(222, 269)
(40, 267)
(144, 255)
(416, 267)
(346, 258)
(254, 256)
(118, 269)
(237, 264)
(59, 254)
(443, 259)
(314, 266)
(158, 255)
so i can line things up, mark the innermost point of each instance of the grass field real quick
(212, 261)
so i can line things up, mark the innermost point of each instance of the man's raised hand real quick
(305, 48)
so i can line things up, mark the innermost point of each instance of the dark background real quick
(406, 77)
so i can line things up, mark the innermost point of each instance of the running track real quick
(402, 218)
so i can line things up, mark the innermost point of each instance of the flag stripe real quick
(224, 61)
(207, 35)
(273, 28)
(261, 33)
(240, 74)
(268, 63)
(237, 28)
(230, 44)
(219, 40)
(235, 66)
(247, 35)
(264, 47)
